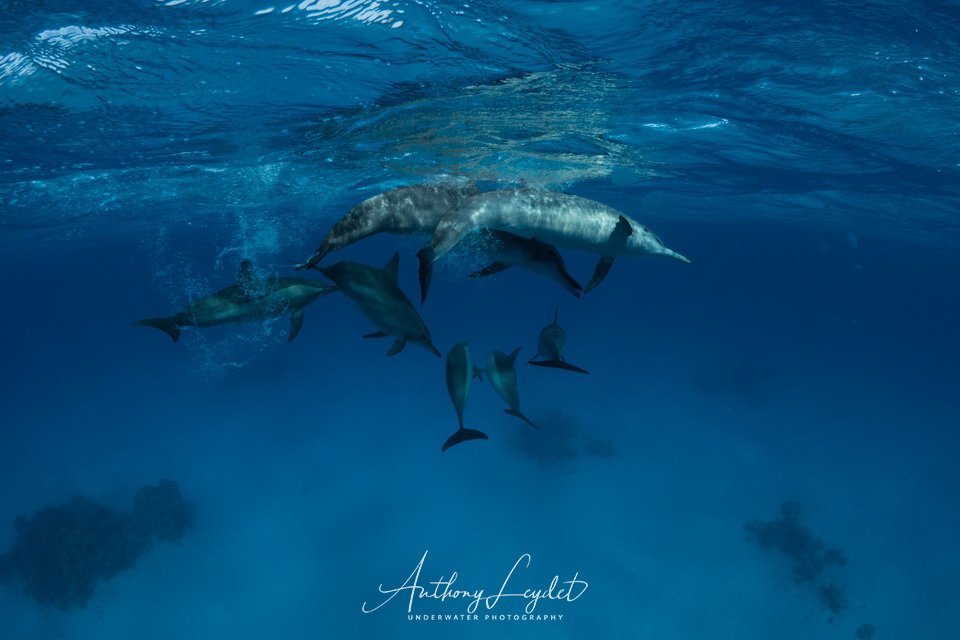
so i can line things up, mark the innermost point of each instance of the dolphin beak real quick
(670, 253)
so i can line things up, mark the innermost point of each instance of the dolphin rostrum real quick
(502, 374)
(460, 372)
(249, 298)
(415, 209)
(559, 219)
(508, 250)
(550, 344)
(379, 297)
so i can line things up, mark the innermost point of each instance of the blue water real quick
(806, 157)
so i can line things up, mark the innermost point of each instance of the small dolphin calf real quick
(502, 374)
(415, 209)
(550, 344)
(508, 250)
(556, 218)
(460, 372)
(249, 298)
(380, 299)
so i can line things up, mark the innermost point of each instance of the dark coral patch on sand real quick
(560, 441)
(809, 555)
(61, 552)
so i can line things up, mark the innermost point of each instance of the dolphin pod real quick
(559, 219)
(516, 227)
(379, 297)
(460, 372)
(550, 345)
(249, 298)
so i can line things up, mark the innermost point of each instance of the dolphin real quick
(460, 372)
(249, 298)
(415, 209)
(508, 250)
(559, 219)
(502, 374)
(550, 344)
(379, 297)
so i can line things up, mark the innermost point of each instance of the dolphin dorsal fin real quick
(393, 266)
(245, 276)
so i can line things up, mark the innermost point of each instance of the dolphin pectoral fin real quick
(477, 373)
(462, 435)
(618, 238)
(557, 364)
(600, 272)
(376, 334)
(490, 269)
(425, 271)
(432, 349)
(516, 412)
(167, 325)
(396, 347)
(513, 356)
(296, 323)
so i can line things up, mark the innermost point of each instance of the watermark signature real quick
(414, 589)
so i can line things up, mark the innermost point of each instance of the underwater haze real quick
(766, 444)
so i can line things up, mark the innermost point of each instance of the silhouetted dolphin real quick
(550, 344)
(502, 374)
(509, 250)
(249, 298)
(404, 210)
(380, 299)
(555, 218)
(460, 372)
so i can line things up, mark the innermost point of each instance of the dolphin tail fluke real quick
(557, 364)
(462, 435)
(571, 285)
(167, 325)
(425, 271)
(516, 413)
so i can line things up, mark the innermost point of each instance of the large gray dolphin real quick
(502, 374)
(249, 298)
(550, 345)
(379, 297)
(510, 250)
(415, 209)
(559, 219)
(460, 372)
